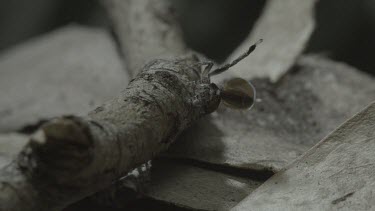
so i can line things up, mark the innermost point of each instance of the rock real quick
(338, 173)
(69, 71)
(10, 145)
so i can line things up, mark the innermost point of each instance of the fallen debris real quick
(286, 27)
(336, 173)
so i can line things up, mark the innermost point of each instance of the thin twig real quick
(238, 59)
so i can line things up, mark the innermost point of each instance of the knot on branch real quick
(58, 151)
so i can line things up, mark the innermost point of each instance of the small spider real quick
(237, 93)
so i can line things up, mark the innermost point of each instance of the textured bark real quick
(72, 157)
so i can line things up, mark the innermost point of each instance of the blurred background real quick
(345, 29)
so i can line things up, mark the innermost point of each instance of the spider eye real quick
(238, 94)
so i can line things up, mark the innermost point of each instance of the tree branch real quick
(146, 30)
(72, 157)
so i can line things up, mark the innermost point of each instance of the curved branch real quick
(146, 30)
(72, 157)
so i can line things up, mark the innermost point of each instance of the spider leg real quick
(205, 73)
(207, 69)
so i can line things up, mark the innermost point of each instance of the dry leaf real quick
(285, 26)
(198, 188)
(337, 173)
